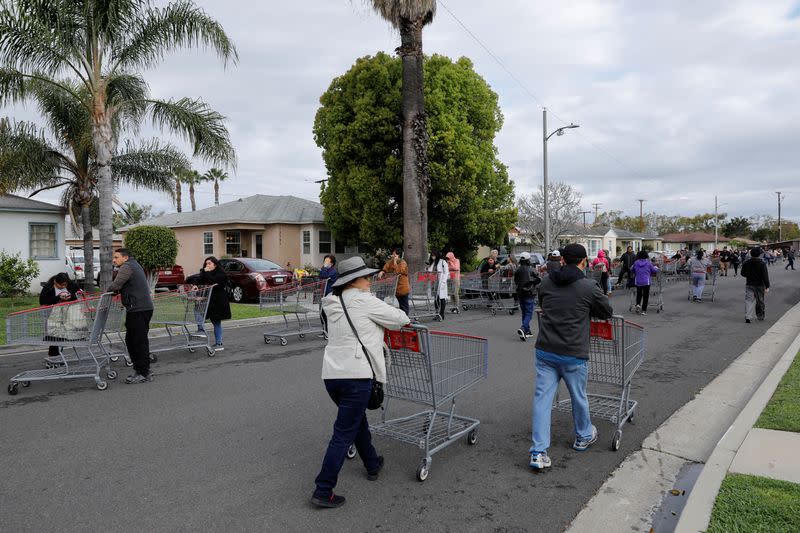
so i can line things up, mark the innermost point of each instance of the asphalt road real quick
(234, 442)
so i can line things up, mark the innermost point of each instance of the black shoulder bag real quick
(376, 395)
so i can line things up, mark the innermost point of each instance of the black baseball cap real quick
(574, 251)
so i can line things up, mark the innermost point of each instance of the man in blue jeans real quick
(568, 299)
(526, 280)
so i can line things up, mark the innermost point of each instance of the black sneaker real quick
(133, 379)
(747, 320)
(372, 475)
(330, 502)
(521, 334)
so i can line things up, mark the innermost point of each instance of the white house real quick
(35, 230)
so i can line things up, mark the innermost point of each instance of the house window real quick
(594, 247)
(324, 242)
(233, 243)
(208, 243)
(306, 242)
(43, 241)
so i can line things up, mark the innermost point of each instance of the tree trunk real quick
(191, 195)
(178, 200)
(416, 182)
(216, 192)
(88, 247)
(103, 142)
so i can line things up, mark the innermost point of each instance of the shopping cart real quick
(472, 294)
(431, 368)
(710, 288)
(182, 315)
(384, 288)
(74, 325)
(300, 307)
(500, 291)
(656, 298)
(423, 296)
(617, 349)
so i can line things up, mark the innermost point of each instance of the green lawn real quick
(239, 311)
(753, 504)
(783, 410)
(11, 305)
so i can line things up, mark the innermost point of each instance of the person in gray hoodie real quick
(132, 285)
(568, 299)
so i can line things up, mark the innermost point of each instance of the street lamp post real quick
(545, 138)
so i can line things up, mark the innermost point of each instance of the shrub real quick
(16, 274)
(153, 247)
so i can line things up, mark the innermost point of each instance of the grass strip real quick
(783, 410)
(754, 504)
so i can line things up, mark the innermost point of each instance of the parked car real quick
(248, 277)
(76, 267)
(170, 277)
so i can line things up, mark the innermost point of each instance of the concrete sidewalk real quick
(709, 429)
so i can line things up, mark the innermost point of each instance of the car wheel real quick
(237, 294)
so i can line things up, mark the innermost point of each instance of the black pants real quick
(622, 273)
(137, 325)
(324, 319)
(735, 269)
(642, 296)
(402, 301)
(791, 264)
(441, 307)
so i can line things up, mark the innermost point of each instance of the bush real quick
(153, 247)
(16, 274)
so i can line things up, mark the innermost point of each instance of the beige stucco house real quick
(284, 229)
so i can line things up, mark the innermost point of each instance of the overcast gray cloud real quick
(677, 101)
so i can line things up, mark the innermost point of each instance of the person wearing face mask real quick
(568, 300)
(219, 308)
(56, 290)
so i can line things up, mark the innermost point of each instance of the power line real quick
(533, 96)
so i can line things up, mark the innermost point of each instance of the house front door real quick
(259, 245)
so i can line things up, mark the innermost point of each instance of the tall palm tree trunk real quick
(178, 200)
(216, 191)
(416, 182)
(191, 196)
(103, 141)
(88, 246)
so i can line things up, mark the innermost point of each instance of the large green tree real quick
(358, 126)
(736, 227)
(106, 45)
(409, 17)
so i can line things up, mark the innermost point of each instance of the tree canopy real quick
(153, 247)
(358, 127)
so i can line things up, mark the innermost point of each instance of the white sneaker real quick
(638, 308)
(521, 335)
(540, 461)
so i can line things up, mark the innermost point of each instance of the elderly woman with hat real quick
(353, 359)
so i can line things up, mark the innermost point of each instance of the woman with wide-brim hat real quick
(347, 373)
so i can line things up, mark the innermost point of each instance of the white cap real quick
(555, 253)
(525, 256)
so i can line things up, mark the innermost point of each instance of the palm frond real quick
(196, 121)
(396, 10)
(27, 160)
(149, 165)
(160, 31)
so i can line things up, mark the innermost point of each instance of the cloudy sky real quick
(677, 101)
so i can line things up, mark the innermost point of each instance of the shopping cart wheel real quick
(102, 385)
(13, 388)
(631, 417)
(114, 358)
(267, 340)
(26, 384)
(464, 307)
(284, 342)
(472, 437)
(351, 451)
(302, 335)
(153, 358)
(111, 374)
(128, 362)
(423, 470)
(210, 350)
(511, 311)
(616, 442)
(494, 312)
(191, 350)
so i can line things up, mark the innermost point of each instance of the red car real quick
(248, 277)
(171, 277)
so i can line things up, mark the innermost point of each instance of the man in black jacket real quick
(627, 262)
(568, 300)
(526, 280)
(131, 283)
(756, 285)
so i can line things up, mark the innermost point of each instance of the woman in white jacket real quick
(348, 374)
(439, 265)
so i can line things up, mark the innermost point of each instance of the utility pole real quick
(545, 190)
(596, 209)
(584, 217)
(780, 229)
(716, 224)
(641, 215)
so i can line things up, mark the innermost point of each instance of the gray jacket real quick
(131, 283)
(567, 300)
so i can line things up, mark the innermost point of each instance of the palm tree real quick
(216, 175)
(178, 199)
(409, 17)
(31, 161)
(191, 177)
(105, 44)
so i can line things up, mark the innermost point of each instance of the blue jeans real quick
(217, 330)
(350, 427)
(548, 375)
(527, 306)
(699, 282)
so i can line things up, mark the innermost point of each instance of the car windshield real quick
(260, 265)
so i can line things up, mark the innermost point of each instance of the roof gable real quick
(12, 202)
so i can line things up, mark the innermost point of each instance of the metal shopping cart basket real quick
(74, 325)
(424, 292)
(500, 292)
(431, 368)
(656, 299)
(384, 288)
(300, 307)
(182, 315)
(617, 350)
(710, 288)
(472, 294)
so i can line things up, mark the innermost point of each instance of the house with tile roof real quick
(694, 240)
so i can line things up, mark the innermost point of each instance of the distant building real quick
(694, 240)
(74, 239)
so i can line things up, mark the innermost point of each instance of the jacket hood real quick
(601, 254)
(566, 275)
(642, 262)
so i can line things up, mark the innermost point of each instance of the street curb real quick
(697, 513)
(628, 498)
(228, 324)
